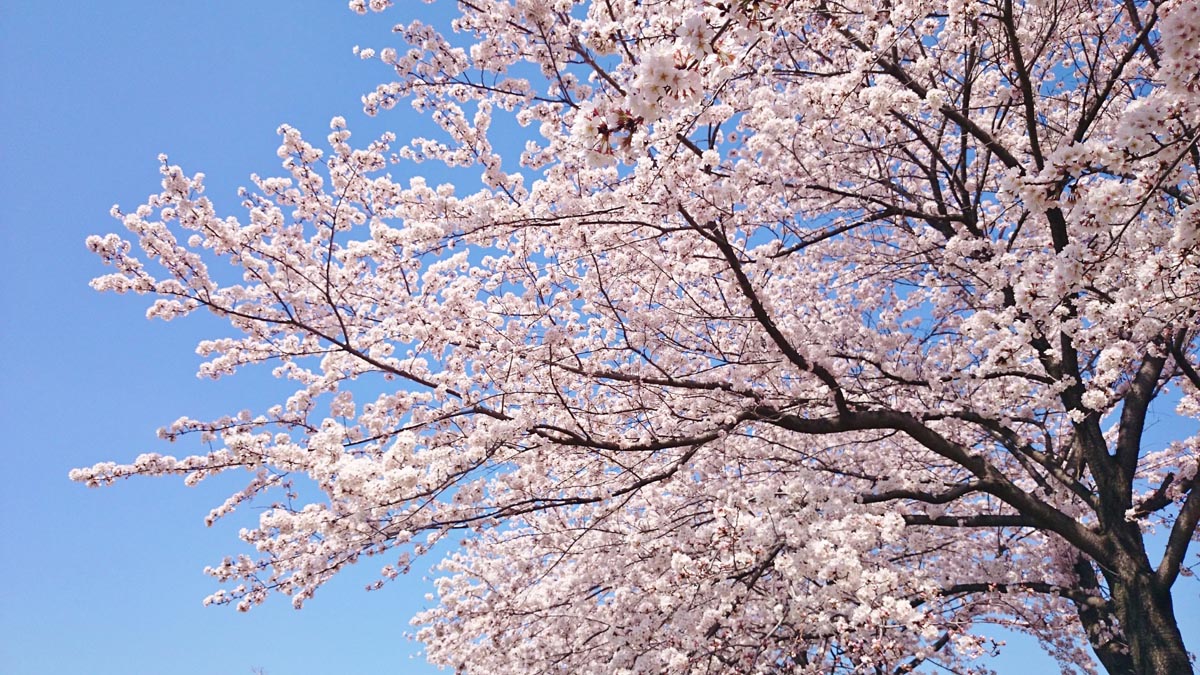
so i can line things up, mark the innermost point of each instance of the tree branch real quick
(926, 497)
(982, 520)
(1180, 537)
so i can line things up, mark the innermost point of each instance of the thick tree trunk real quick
(1147, 617)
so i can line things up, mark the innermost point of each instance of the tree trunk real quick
(1148, 624)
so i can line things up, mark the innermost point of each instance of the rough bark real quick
(1148, 622)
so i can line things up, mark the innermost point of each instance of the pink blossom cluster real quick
(794, 337)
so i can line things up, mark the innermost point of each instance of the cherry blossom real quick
(774, 337)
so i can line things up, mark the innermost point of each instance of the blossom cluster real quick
(786, 340)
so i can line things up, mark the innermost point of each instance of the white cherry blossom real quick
(775, 337)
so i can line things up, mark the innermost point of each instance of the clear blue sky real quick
(109, 581)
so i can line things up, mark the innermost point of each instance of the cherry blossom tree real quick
(794, 336)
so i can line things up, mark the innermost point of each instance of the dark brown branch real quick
(991, 480)
(979, 133)
(805, 242)
(1184, 365)
(1102, 97)
(913, 664)
(1181, 536)
(1069, 592)
(1027, 94)
(926, 497)
(982, 520)
(1096, 615)
(760, 312)
(1157, 501)
(1133, 415)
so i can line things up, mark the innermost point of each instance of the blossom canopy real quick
(778, 336)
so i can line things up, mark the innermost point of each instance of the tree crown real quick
(778, 337)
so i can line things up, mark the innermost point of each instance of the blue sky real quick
(110, 581)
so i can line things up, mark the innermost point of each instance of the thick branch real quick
(991, 480)
(760, 312)
(1133, 414)
(1181, 536)
(1159, 500)
(982, 520)
(1069, 592)
(915, 495)
(1184, 365)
